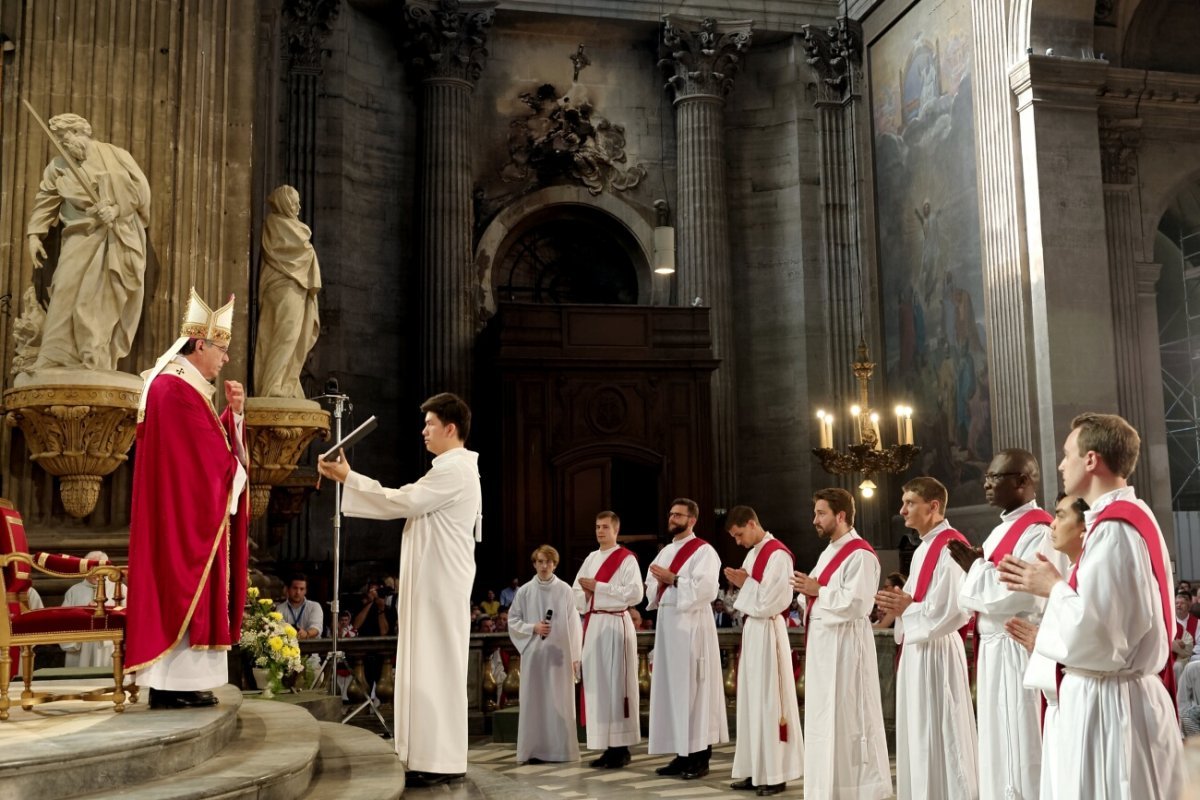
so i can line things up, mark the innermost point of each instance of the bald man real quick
(1009, 715)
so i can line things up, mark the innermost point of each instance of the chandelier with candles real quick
(865, 452)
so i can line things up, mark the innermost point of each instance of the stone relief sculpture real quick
(287, 298)
(27, 332)
(101, 199)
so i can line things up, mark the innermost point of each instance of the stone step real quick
(355, 763)
(272, 757)
(65, 749)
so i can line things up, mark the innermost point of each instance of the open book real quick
(351, 439)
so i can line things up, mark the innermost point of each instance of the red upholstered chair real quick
(22, 629)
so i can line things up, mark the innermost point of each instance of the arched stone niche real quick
(517, 218)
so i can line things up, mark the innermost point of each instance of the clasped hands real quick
(1032, 577)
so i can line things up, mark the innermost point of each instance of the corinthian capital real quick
(701, 57)
(1119, 143)
(835, 55)
(306, 24)
(447, 38)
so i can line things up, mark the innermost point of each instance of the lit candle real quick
(899, 424)
(908, 428)
(875, 429)
(826, 436)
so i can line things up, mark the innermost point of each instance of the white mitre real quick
(199, 322)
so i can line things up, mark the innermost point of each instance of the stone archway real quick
(604, 210)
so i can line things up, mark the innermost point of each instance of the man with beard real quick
(606, 587)
(770, 744)
(1109, 627)
(935, 728)
(687, 701)
(98, 285)
(846, 754)
(1010, 739)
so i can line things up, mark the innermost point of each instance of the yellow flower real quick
(291, 652)
(252, 592)
(275, 615)
(275, 643)
(264, 601)
(289, 630)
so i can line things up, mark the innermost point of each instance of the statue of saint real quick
(287, 298)
(98, 284)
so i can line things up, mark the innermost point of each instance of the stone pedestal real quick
(278, 431)
(79, 426)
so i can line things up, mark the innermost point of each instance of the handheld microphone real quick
(549, 615)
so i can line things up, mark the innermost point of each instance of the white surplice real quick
(845, 747)
(687, 697)
(766, 692)
(1117, 736)
(437, 569)
(1010, 736)
(610, 662)
(936, 756)
(88, 654)
(546, 724)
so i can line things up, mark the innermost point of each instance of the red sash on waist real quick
(608, 568)
(680, 559)
(851, 547)
(1136, 517)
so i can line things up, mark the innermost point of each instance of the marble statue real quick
(287, 298)
(27, 332)
(98, 284)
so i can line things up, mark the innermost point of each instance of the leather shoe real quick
(770, 789)
(743, 785)
(197, 699)
(617, 758)
(601, 762)
(417, 780)
(677, 766)
(694, 772)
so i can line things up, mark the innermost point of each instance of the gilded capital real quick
(306, 24)
(702, 57)
(448, 38)
(835, 55)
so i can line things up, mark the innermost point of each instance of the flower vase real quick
(263, 680)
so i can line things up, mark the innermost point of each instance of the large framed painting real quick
(927, 216)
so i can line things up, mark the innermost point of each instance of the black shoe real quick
(601, 762)
(617, 757)
(535, 760)
(197, 699)
(695, 772)
(678, 766)
(774, 788)
(161, 698)
(417, 780)
(743, 785)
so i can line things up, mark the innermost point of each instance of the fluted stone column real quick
(446, 42)
(700, 59)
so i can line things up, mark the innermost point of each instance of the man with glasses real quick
(1010, 740)
(187, 531)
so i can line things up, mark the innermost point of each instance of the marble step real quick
(66, 749)
(355, 763)
(271, 757)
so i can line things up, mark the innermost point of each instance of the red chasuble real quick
(187, 555)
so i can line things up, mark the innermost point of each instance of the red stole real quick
(1136, 517)
(187, 554)
(603, 575)
(925, 576)
(1191, 625)
(680, 559)
(850, 548)
(769, 548)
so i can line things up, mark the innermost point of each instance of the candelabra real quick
(866, 453)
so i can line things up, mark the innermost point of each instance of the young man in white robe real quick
(437, 569)
(545, 629)
(687, 698)
(1010, 716)
(770, 744)
(936, 757)
(845, 752)
(607, 585)
(1109, 626)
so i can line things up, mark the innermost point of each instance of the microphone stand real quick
(334, 657)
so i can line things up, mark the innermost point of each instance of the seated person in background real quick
(720, 615)
(502, 621)
(490, 605)
(346, 626)
(86, 654)
(795, 617)
(508, 593)
(487, 625)
(376, 617)
(304, 615)
(894, 580)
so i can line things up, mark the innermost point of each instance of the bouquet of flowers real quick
(270, 642)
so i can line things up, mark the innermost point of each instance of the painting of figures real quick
(927, 214)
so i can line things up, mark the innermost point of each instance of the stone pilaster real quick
(1005, 265)
(700, 59)
(835, 56)
(306, 24)
(447, 47)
